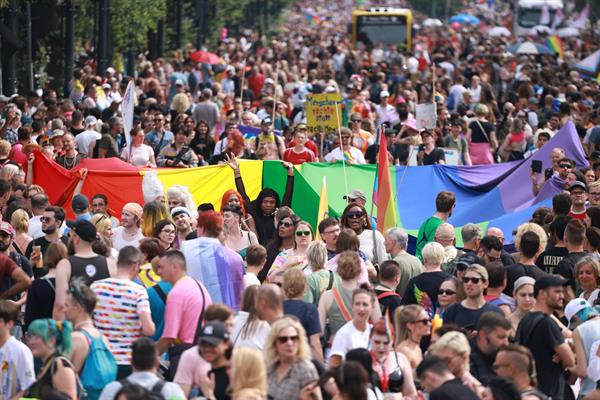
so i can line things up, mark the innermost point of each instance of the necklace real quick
(69, 165)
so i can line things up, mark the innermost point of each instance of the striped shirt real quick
(117, 314)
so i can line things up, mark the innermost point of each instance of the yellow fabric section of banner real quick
(207, 184)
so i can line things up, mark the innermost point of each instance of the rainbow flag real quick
(348, 156)
(323, 206)
(556, 45)
(382, 189)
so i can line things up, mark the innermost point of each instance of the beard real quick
(4, 247)
(49, 230)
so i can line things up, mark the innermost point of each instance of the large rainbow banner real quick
(490, 195)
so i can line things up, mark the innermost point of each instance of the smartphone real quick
(536, 166)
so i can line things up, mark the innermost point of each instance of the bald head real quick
(496, 232)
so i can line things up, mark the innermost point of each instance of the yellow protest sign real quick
(320, 111)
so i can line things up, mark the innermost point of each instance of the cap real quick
(57, 133)
(84, 229)
(180, 210)
(90, 120)
(269, 81)
(384, 93)
(532, 100)
(4, 99)
(105, 86)
(578, 184)
(574, 307)
(426, 132)
(79, 203)
(178, 82)
(400, 100)
(111, 70)
(356, 194)
(522, 281)
(7, 228)
(480, 269)
(214, 332)
(548, 281)
(300, 126)
(133, 208)
(266, 120)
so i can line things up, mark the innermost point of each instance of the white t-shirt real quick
(83, 140)
(119, 240)
(348, 338)
(250, 279)
(139, 155)
(257, 340)
(366, 245)
(16, 368)
(337, 154)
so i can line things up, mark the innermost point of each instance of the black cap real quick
(79, 203)
(548, 281)
(578, 184)
(214, 332)
(84, 229)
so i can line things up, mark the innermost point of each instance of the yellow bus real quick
(386, 26)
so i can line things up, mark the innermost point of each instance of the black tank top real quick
(91, 269)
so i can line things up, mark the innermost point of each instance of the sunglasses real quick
(285, 339)
(46, 219)
(286, 224)
(467, 279)
(355, 214)
(423, 321)
(564, 165)
(302, 233)
(356, 120)
(446, 292)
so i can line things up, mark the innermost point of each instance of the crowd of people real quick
(244, 299)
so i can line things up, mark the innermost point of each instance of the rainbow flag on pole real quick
(556, 45)
(383, 196)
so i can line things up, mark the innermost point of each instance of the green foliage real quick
(132, 19)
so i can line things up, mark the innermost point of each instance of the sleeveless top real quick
(335, 317)
(43, 386)
(91, 269)
(244, 251)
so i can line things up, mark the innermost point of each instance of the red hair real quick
(227, 195)
(211, 221)
(235, 143)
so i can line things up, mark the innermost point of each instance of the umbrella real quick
(499, 31)
(568, 32)
(205, 57)
(540, 29)
(432, 22)
(465, 18)
(590, 65)
(529, 48)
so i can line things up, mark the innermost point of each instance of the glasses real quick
(446, 292)
(492, 258)
(302, 233)
(423, 321)
(355, 214)
(285, 339)
(332, 231)
(356, 120)
(286, 224)
(467, 279)
(564, 165)
(45, 219)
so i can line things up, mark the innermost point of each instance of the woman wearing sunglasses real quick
(290, 373)
(447, 294)
(372, 242)
(285, 223)
(294, 257)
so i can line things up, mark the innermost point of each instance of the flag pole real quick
(242, 86)
(339, 125)
(275, 94)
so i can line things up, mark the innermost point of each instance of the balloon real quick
(455, 25)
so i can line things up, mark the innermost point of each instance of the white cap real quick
(90, 120)
(574, 307)
(384, 93)
(269, 80)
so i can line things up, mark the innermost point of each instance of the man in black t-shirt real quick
(429, 154)
(541, 334)
(440, 383)
(52, 220)
(492, 334)
(529, 247)
(574, 239)
(389, 279)
(550, 258)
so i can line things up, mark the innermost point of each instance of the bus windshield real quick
(530, 17)
(373, 30)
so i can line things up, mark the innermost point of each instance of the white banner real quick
(127, 106)
(426, 116)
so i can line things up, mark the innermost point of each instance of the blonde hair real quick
(402, 317)
(5, 147)
(455, 341)
(535, 228)
(587, 260)
(271, 346)
(248, 373)
(183, 194)
(101, 222)
(294, 283)
(316, 255)
(8, 172)
(180, 103)
(20, 221)
(433, 253)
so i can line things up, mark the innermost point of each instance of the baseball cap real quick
(214, 332)
(269, 81)
(578, 184)
(84, 229)
(90, 120)
(426, 132)
(532, 100)
(575, 306)
(7, 228)
(384, 93)
(522, 281)
(356, 194)
(79, 203)
(480, 269)
(133, 208)
(266, 120)
(178, 82)
(179, 210)
(548, 281)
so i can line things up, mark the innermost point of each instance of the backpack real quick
(99, 368)
(154, 394)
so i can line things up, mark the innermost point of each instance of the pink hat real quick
(7, 228)
(411, 123)
(134, 208)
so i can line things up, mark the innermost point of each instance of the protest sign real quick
(426, 116)
(320, 111)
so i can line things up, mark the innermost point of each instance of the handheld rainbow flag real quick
(348, 156)
(554, 43)
(382, 189)
(323, 205)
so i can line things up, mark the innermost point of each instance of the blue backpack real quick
(99, 369)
